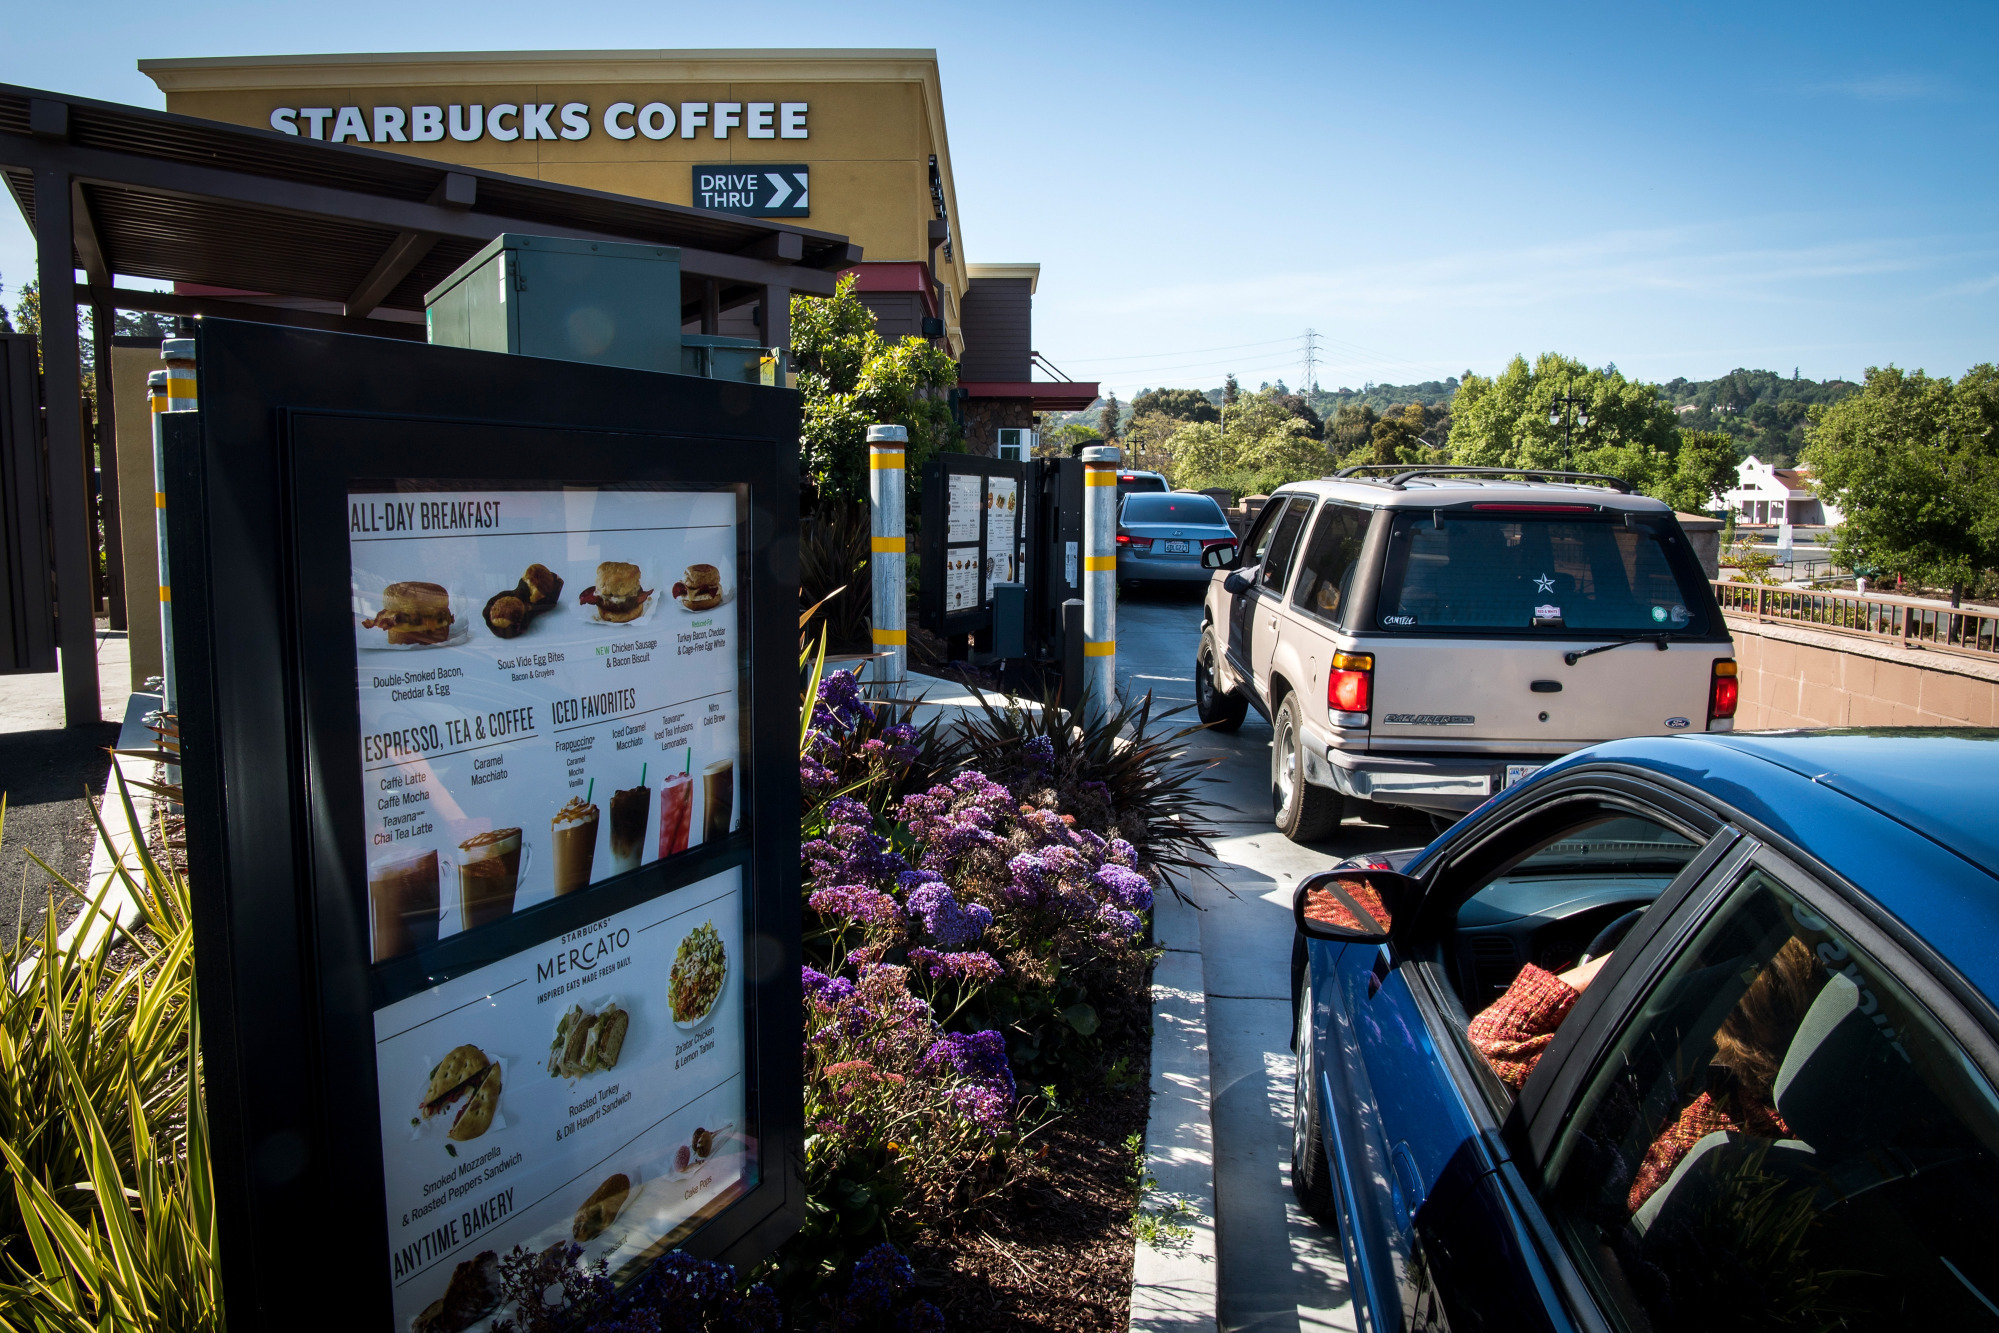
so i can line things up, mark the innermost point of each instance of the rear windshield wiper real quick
(1576, 656)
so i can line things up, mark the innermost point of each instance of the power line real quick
(1183, 351)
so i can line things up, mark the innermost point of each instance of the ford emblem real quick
(1677, 723)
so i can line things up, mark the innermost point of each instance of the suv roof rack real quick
(1404, 474)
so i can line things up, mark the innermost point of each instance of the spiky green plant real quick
(109, 1219)
(1127, 773)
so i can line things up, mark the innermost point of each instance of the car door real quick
(1785, 1119)
(1416, 1112)
(1272, 577)
(1242, 605)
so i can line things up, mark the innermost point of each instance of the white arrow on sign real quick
(804, 189)
(781, 185)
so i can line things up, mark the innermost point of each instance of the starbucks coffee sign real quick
(509, 121)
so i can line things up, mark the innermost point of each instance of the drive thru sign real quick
(757, 190)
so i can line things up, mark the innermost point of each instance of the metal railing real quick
(1970, 631)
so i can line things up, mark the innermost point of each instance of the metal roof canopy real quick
(112, 189)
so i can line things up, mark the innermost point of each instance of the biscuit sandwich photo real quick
(700, 588)
(413, 613)
(616, 594)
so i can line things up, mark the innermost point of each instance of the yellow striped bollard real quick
(1100, 467)
(888, 449)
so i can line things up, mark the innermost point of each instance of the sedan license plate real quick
(1518, 772)
(1176, 548)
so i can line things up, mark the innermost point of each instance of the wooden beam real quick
(404, 253)
(196, 181)
(89, 248)
(69, 495)
(102, 319)
(171, 303)
(782, 247)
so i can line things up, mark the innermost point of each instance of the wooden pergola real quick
(322, 235)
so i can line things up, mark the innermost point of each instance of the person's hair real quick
(1753, 1038)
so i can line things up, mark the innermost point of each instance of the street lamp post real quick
(1564, 412)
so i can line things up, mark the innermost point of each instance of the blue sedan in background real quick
(1688, 1032)
(1160, 536)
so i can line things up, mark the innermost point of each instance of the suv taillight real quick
(1350, 688)
(1724, 689)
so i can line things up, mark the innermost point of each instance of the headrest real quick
(1842, 1083)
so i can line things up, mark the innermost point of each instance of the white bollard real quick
(1100, 468)
(888, 447)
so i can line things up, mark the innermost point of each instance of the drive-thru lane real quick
(1277, 1269)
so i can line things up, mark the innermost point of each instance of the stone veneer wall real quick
(1805, 678)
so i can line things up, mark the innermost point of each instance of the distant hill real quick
(1763, 410)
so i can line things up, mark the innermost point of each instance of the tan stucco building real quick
(847, 141)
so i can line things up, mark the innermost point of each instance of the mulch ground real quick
(1055, 1252)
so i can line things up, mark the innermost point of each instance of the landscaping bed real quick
(977, 1040)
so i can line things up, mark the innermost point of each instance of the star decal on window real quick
(1544, 584)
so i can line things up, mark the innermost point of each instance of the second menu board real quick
(548, 684)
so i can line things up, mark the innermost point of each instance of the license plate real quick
(1518, 772)
(1176, 548)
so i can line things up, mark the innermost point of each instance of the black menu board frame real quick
(258, 483)
(941, 548)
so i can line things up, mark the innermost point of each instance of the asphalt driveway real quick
(1277, 1268)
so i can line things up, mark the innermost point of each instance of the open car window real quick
(1550, 906)
(1782, 1136)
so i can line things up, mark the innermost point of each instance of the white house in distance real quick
(1775, 495)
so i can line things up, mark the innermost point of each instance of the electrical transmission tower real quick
(1311, 381)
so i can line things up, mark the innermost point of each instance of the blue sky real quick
(1678, 189)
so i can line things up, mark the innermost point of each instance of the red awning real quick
(1048, 395)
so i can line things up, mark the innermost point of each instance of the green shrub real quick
(109, 1221)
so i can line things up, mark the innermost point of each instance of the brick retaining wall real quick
(1795, 677)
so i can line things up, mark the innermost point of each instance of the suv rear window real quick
(1135, 483)
(1524, 574)
(1173, 509)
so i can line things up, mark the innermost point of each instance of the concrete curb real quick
(1173, 1283)
(119, 909)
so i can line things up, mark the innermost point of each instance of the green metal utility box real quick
(712, 357)
(606, 302)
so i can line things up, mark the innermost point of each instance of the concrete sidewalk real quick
(1273, 1267)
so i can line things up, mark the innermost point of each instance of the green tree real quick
(1398, 437)
(1259, 446)
(1148, 439)
(1064, 441)
(1231, 391)
(1622, 428)
(850, 378)
(1914, 463)
(1175, 405)
(1703, 471)
(1107, 420)
(1350, 436)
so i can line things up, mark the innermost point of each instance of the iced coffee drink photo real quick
(402, 904)
(575, 836)
(630, 810)
(718, 799)
(490, 866)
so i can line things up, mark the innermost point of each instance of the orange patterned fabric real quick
(1513, 1031)
(1703, 1116)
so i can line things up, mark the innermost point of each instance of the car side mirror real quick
(1352, 905)
(1218, 557)
(1237, 583)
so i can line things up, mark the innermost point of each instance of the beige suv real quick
(1429, 637)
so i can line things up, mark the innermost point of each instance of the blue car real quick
(1689, 1032)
